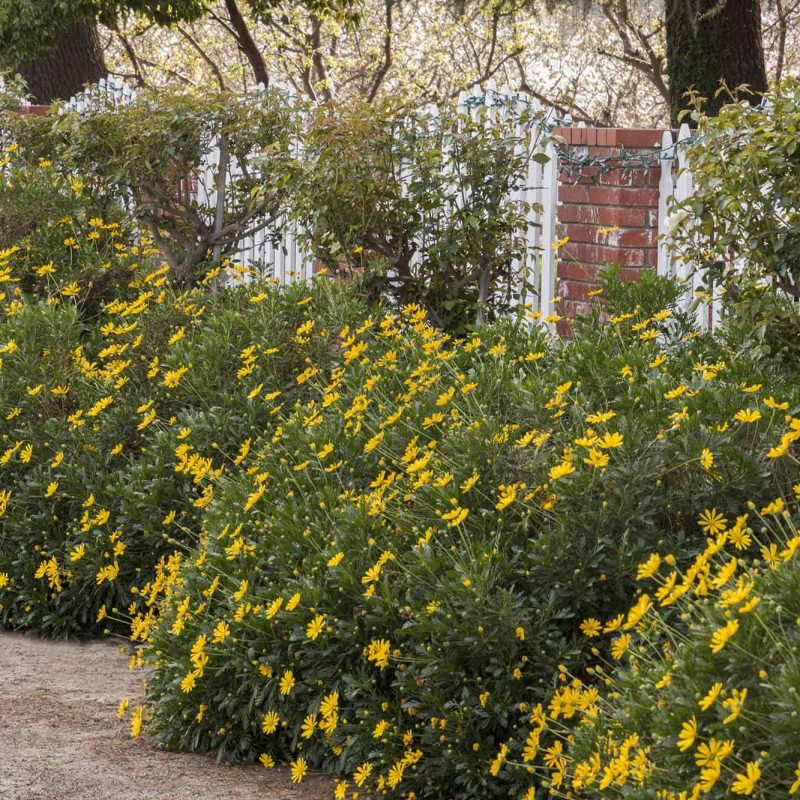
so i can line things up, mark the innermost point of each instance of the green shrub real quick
(143, 154)
(764, 322)
(423, 213)
(428, 211)
(53, 223)
(740, 224)
(702, 699)
(110, 423)
(399, 569)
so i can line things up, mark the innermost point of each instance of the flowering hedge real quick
(115, 418)
(344, 539)
(701, 697)
(388, 584)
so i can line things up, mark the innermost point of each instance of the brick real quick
(623, 217)
(572, 270)
(642, 237)
(644, 196)
(620, 196)
(581, 233)
(35, 111)
(625, 199)
(573, 194)
(637, 137)
(601, 254)
(608, 216)
(569, 135)
(606, 152)
(602, 195)
(587, 233)
(572, 308)
(629, 274)
(588, 175)
(583, 253)
(575, 290)
(625, 177)
(645, 138)
(564, 329)
(570, 212)
(628, 258)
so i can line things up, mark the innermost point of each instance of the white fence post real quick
(687, 272)
(676, 186)
(666, 190)
(547, 282)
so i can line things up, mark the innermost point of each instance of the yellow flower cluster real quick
(724, 599)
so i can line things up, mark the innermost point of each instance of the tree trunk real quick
(709, 41)
(76, 59)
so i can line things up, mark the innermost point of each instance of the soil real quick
(60, 738)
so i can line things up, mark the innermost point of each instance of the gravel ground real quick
(60, 739)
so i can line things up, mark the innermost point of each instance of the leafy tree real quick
(56, 48)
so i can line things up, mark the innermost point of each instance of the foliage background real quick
(602, 63)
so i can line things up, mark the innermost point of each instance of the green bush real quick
(395, 575)
(428, 211)
(423, 212)
(702, 699)
(143, 154)
(53, 223)
(111, 423)
(740, 225)
(764, 322)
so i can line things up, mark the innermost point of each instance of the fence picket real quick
(547, 277)
(666, 190)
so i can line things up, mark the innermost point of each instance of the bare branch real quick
(644, 57)
(317, 57)
(132, 57)
(171, 72)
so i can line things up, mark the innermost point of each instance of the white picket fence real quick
(107, 92)
(281, 256)
(275, 252)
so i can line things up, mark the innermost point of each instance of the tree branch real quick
(315, 41)
(247, 44)
(387, 53)
(207, 58)
(131, 53)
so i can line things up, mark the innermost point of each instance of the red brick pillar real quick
(610, 216)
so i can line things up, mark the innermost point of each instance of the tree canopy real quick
(616, 62)
(30, 28)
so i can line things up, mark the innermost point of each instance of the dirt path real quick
(60, 739)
